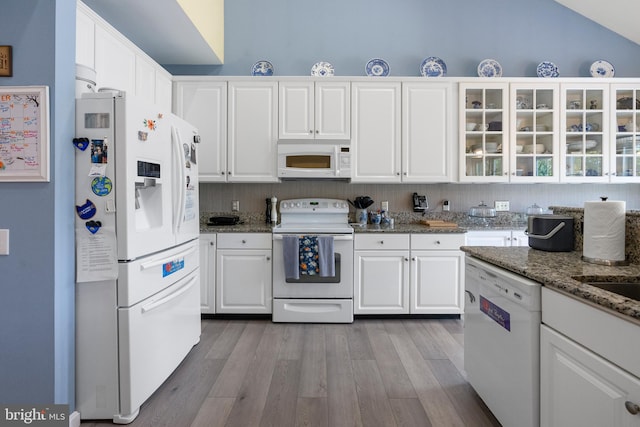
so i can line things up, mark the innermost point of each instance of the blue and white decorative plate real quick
(602, 68)
(262, 68)
(322, 69)
(489, 68)
(377, 68)
(547, 69)
(433, 67)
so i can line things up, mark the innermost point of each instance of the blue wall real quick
(295, 34)
(37, 277)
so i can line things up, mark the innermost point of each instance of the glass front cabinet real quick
(534, 132)
(625, 131)
(584, 136)
(484, 109)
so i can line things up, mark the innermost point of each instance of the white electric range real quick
(315, 298)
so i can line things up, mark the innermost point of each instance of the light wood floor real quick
(373, 372)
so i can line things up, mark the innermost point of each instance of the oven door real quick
(338, 286)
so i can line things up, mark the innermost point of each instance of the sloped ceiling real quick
(163, 29)
(620, 16)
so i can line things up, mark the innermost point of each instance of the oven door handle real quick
(335, 237)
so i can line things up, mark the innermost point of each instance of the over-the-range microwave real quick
(314, 160)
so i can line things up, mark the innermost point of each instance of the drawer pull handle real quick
(632, 408)
(244, 241)
(382, 242)
(437, 242)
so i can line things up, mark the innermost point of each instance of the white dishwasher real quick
(502, 342)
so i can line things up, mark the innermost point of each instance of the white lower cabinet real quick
(580, 388)
(408, 274)
(497, 238)
(437, 274)
(589, 365)
(381, 274)
(243, 273)
(207, 273)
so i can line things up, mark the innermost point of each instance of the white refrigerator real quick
(137, 260)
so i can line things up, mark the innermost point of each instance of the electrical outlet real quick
(235, 205)
(501, 205)
(446, 206)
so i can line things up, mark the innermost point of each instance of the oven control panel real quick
(313, 205)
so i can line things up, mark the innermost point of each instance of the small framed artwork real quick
(6, 61)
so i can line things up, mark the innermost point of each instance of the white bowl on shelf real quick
(491, 147)
(519, 148)
(539, 148)
(471, 126)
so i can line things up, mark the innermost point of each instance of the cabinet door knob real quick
(244, 241)
(437, 242)
(413, 259)
(210, 243)
(268, 258)
(310, 131)
(632, 408)
(398, 173)
(381, 242)
(317, 131)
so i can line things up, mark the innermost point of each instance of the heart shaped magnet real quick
(93, 226)
(81, 143)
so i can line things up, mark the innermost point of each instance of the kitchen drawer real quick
(435, 241)
(244, 241)
(386, 241)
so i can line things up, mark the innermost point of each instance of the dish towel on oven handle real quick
(326, 256)
(308, 255)
(291, 257)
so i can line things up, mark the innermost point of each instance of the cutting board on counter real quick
(438, 223)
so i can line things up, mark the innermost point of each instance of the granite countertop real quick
(558, 269)
(404, 228)
(252, 227)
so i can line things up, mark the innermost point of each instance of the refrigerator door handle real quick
(157, 262)
(179, 175)
(166, 299)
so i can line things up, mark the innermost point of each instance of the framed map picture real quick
(24, 134)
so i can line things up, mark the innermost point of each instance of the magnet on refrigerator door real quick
(86, 211)
(101, 186)
(81, 143)
(93, 226)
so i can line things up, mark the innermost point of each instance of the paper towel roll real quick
(604, 231)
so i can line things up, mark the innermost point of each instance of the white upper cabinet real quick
(252, 131)
(376, 132)
(85, 37)
(426, 132)
(119, 64)
(584, 132)
(115, 62)
(204, 105)
(484, 131)
(314, 110)
(625, 126)
(534, 131)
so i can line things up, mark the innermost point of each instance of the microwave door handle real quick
(336, 162)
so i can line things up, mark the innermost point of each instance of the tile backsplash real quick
(218, 197)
